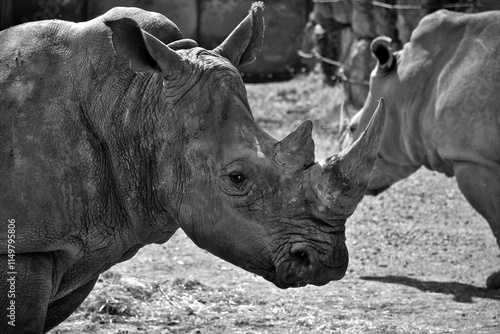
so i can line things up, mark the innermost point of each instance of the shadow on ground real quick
(462, 293)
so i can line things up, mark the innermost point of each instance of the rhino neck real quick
(417, 101)
(405, 111)
(123, 116)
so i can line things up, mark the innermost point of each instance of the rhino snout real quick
(305, 265)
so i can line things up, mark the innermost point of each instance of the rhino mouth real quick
(296, 281)
(376, 191)
(306, 263)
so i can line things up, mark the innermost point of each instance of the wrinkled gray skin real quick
(443, 109)
(112, 139)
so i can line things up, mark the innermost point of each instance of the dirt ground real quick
(419, 258)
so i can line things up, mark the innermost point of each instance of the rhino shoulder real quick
(435, 40)
(154, 23)
(445, 28)
(438, 29)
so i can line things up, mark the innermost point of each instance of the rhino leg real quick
(481, 187)
(25, 298)
(62, 308)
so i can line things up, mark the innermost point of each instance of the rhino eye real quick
(237, 178)
(353, 128)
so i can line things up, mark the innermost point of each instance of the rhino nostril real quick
(301, 256)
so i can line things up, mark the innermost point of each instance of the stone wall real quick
(207, 21)
(365, 20)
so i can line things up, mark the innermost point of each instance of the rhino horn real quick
(345, 118)
(357, 160)
(246, 38)
(343, 178)
(144, 52)
(297, 149)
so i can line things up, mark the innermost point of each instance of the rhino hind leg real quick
(481, 187)
(62, 308)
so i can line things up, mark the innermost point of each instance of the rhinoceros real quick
(443, 109)
(116, 132)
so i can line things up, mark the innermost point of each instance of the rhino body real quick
(443, 108)
(116, 132)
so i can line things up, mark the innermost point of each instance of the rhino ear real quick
(246, 38)
(382, 51)
(145, 52)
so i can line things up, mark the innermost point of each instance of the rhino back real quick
(56, 169)
(37, 115)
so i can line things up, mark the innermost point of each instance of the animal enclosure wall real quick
(342, 30)
(206, 21)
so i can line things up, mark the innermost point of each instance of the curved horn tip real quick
(300, 134)
(344, 113)
(380, 108)
(343, 106)
(376, 123)
(381, 104)
(297, 149)
(353, 166)
(307, 124)
(374, 130)
(369, 140)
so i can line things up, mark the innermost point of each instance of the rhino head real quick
(261, 204)
(393, 163)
